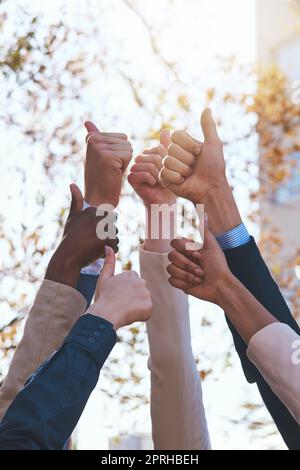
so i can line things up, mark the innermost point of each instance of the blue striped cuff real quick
(234, 238)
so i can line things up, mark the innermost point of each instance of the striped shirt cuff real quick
(234, 238)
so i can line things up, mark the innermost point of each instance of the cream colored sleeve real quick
(177, 411)
(275, 350)
(53, 313)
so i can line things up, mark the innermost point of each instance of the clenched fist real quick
(192, 169)
(107, 158)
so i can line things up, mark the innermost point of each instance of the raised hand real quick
(144, 174)
(192, 169)
(107, 158)
(199, 273)
(80, 245)
(122, 299)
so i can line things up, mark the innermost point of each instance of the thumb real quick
(91, 127)
(209, 127)
(76, 202)
(108, 269)
(165, 139)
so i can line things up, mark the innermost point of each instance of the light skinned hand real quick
(107, 157)
(122, 299)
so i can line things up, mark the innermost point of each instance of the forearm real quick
(246, 313)
(45, 412)
(53, 313)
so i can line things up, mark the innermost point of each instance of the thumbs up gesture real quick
(192, 168)
(122, 299)
(144, 174)
(107, 157)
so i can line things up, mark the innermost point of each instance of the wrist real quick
(63, 269)
(219, 204)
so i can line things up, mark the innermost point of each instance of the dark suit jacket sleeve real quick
(45, 412)
(247, 264)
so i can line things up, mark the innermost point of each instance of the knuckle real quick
(161, 150)
(168, 162)
(186, 170)
(158, 159)
(186, 266)
(178, 177)
(174, 244)
(162, 176)
(165, 160)
(169, 268)
(138, 159)
(94, 139)
(190, 158)
(176, 135)
(152, 166)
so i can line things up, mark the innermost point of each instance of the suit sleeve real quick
(45, 412)
(55, 310)
(177, 410)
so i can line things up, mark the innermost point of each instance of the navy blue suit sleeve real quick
(45, 412)
(247, 264)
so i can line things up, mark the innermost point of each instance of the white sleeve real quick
(177, 411)
(275, 350)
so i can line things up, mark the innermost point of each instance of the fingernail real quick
(106, 250)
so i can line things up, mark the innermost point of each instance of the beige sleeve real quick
(275, 350)
(55, 310)
(177, 411)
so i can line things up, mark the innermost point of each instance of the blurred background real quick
(138, 67)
